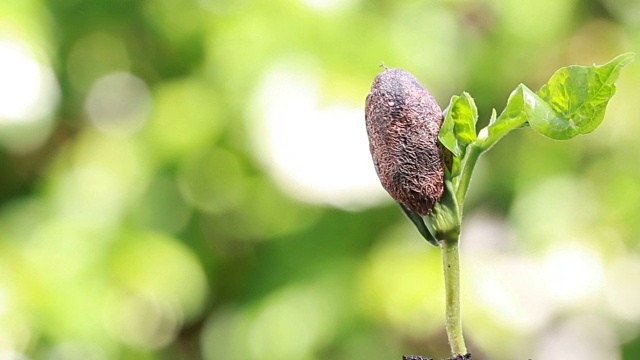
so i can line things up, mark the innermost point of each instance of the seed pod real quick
(403, 121)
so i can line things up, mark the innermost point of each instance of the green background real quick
(185, 179)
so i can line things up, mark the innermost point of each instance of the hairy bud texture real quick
(403, 121)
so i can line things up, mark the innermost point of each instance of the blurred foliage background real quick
(190, 179)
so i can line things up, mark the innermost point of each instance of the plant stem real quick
(473, 153)
(451, 267)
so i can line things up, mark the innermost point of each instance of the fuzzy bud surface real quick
(403, 121)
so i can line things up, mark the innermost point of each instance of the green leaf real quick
(522, 106)
(459, 126)
(447, 134)
(578, 97)
(418, 221)
(572, 102)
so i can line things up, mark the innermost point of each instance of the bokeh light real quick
(316, 153)
(119, 104)
(28, 96)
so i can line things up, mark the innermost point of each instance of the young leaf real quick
(458, 129)
(523, 105)
(578, 97)
(459, 126)
(447, 135)
(419, 223)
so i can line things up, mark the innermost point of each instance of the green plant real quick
(429, 176)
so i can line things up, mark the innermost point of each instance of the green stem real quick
(473, 153)
(451, 267)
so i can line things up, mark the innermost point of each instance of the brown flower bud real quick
(403, 121)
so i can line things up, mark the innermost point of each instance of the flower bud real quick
(403, 121)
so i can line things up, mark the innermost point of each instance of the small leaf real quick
(459, 126)
(578, 96)
(523, 104)
(493, 118)
(418, 221)
(513, 115)
(447, 135)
